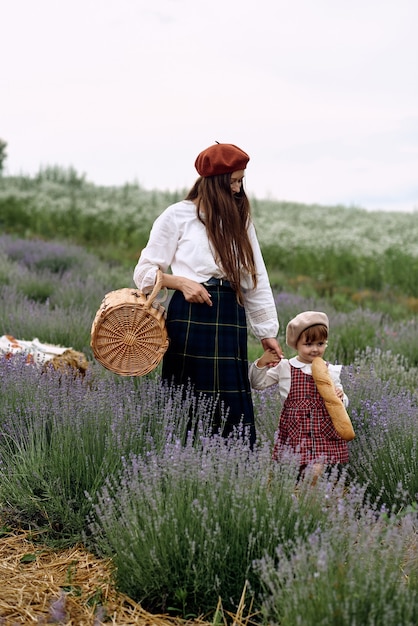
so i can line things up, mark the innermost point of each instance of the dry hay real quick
(71, 360)
(71, 587)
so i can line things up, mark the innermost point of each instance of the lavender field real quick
(107, 460)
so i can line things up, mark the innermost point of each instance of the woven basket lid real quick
(128, 334)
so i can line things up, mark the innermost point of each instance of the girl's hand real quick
(269, 359)
(340, 393)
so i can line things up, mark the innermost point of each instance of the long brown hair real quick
(226, 217)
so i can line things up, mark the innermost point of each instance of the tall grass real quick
(60, 204)
(333, 251)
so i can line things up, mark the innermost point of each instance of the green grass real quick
(342, 253)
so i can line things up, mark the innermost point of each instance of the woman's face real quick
(237, 180)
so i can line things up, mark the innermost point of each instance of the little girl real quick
(305, 426)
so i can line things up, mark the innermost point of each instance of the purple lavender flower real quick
(57, 609)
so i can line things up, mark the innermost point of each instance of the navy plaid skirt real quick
(208, 350)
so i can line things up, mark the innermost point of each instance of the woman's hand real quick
(195, 292)
(270, 344)
(191, 290)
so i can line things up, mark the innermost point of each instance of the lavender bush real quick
(356, 570)
(188, 520)
(52, 291)
(63, 435)
(384, 412)
(184, 525)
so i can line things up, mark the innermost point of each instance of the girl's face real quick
(237, 180)
(308, 350)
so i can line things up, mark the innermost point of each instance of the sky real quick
(322, 94)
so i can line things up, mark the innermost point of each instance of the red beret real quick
(222, 158)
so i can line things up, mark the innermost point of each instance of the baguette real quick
(335, 407)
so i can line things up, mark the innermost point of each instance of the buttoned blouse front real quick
(178, 239)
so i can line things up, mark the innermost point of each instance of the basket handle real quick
(156, 289)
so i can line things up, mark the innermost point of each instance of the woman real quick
(209, 242)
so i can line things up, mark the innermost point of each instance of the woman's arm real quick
(259, 302)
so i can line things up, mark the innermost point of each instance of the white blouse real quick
(263, 377)
(178, 240)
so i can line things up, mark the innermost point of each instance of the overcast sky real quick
(322, 94)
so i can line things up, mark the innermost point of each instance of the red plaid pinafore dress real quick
(305, 426)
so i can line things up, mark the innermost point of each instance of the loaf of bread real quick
(335, 407)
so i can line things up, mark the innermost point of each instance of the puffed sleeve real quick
(259, 302)
(159, 251)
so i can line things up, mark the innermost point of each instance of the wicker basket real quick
(128, 334)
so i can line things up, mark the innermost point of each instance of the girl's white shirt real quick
(178, 240)
(263, 377)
